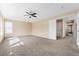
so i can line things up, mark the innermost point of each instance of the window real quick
(8, 27)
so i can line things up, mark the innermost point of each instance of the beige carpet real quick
(37, 46)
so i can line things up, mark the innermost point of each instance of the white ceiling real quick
(16, 11)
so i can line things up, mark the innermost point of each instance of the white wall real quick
(1, 28)
(78, 32)
(77, 20)
(64, 28)
(75, 32)
(52, 29)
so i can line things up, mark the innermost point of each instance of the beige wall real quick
(40, 29)
(23, 28)
(20, 28)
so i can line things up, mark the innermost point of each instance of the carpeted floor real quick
(37, 46)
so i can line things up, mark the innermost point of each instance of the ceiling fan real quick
(31, 14)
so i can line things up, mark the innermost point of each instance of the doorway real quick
(70, 28)
(59, 28)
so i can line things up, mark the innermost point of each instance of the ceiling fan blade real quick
(27, 13)
(34, 16)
